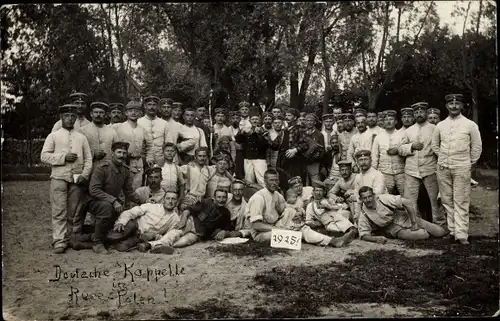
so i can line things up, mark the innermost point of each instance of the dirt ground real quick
(38, 284)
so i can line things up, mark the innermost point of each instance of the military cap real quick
(391, 112)
(113, 106)
(279, 117)
(327, 116)
(220, 110)
(382, 114)
(120, 145)
(344, 162)
(406, 110)
(244, 104)
(360, 112)
(433, 111)
(454, 98)
(177, 105)
(133, 105)
(99, 104)
(222, 155)
(232, 113)
(420, 105)
(151, 98)
(348, 116)
(363, 152)
(238, 181)
(295, 180)
(267, 114)
(68, 108)
(318, 184)
(313, 116)
(166, 101)
(293, 111)
(78, 97)
(153, 169)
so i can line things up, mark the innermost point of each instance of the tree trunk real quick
(270, 91)
(123, 76)
(307, 75)
(294, 89)
(326, 67)
(474, 105)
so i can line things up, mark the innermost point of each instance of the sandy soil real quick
(122, 287)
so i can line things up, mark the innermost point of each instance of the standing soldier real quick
(337, 111)
(177, 112)
(457, 143)
(239, 170)
(371, 122)
(316, 148)
(190, 130)
(385, 155)
(407, 118)
(174, 129)
(276, 131)
(115, 113)
(381, 119)
(81, 120)
(420, 164)
(362, 140)
(244, 109)
(69, 153)
(99, 136)
(220, 129)
(139, 140)
(163, 105)
(346, 135)
(155, 126)
(327, 132)
(433, 116)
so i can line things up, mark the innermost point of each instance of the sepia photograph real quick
(249, 160)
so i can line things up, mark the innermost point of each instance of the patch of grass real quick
(480, 245)
(249, 249)
(104, 315)
(209, 309)
(489, 181)
(469, 284)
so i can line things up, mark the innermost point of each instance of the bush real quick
(22, 152)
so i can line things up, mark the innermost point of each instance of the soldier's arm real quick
(404, 148)
(87, 159)
(476, 145)
(436, 141)
(148, 144)
(96, 186)
(48, 156)
(375, 153)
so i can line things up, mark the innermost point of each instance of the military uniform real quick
(345, 137)
(157, 130)
(81, 120)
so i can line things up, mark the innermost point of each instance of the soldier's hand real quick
(328, 148)
(180, 225)
(291, 153)
(392, 151)
(417, 146)
(119, 228)
(220, 236)
(415, 226)
(380, 239)
(118, 207)
(80, 180)
(235, 234)
(70, 157)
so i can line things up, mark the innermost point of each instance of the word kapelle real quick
(79, 274)
(150, 274)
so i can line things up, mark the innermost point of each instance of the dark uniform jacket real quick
(254, 145)
(209, 219)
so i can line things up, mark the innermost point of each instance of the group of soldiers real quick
(160, 175)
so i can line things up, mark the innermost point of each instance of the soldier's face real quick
(201, 158)
(272, 182)
(328, 123)
(298, 188)
(454, 108)
(206, 122)
(244, 112)
(301, 121)
(68, 120)
(336, 113)
(98, 115)
(237, 190)
(371, 119)
(364, 163)
(255, 121)
(235, 119)
(219, 118)
(116, 116)
(276, 112)
(361, 124)
(381, 122)
(133, 114)
(81, 108)
(433, 118)
(277, 124)
(368, 199)
(268, 120)
(220, 198)
(310, 122)
(170, 201)
(169, 153)
(151, 108)
(319, 193)
(154, 180)
(407, 120)
(201, 111)
(166, 110)
(176, 113)
(345, 171)
(290, 117)
(189, 117)
(420, 115)
(119, 155)
(221, 166)
(348, 124)
(334, 141)
(340, 126)
(224, 144)
(389, 122)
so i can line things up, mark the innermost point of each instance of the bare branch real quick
(423, 22)
(384, 38)
(465, 19)
(479, 17)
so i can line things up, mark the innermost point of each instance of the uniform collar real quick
(116, 168)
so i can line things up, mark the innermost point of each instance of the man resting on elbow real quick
(394, 216)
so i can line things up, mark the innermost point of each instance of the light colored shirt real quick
(138, 138)
(172, 177)
(359, 141)
(242, 224)
(80, 122)
(457, 142)
(344, 140)
(148, 196)
(342, 185)
(54, 151)
(316, 213)
(245, 123)
(375, 129)
(197, 178)
(150, 218)
(307, 194)
(265, 206)
(385, 163)
(157, 130)
(99, 138)
(327, 135)
(215, 180)
(383, 215)
(197, 135)
(372, 178)
(421, 163)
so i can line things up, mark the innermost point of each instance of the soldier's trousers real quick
(455, 188)
(65, 199)
(411, 190)
(254, 170)
(105, 217)
(137, 171)
(239, 168)
(395, 180)
(312, 172)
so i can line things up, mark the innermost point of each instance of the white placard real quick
(286, 239)
(75, 177)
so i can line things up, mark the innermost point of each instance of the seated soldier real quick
(236, 205)
(219, 173)
(305, 192)
(334, 174)
(205, 220)
(152, 192)
(338, 193)
(172, 178)
(395, 216)
(147, 222)
(324, 213)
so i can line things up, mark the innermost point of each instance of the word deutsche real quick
(79, 274)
